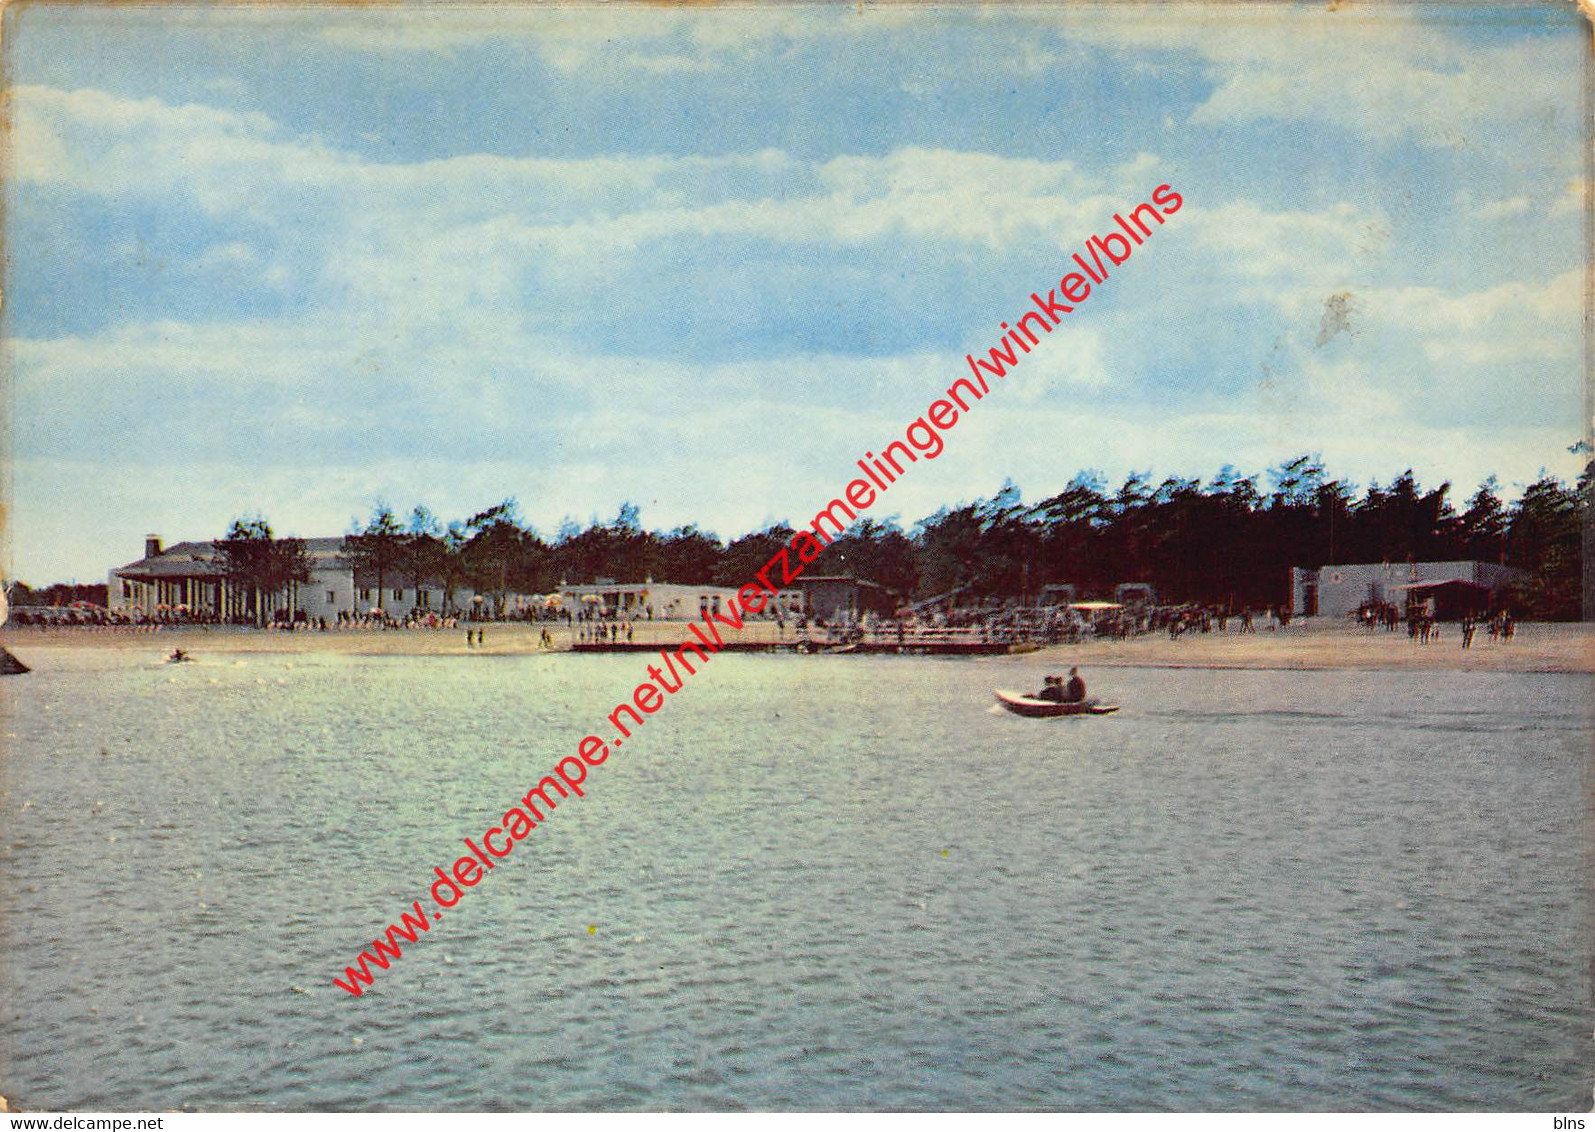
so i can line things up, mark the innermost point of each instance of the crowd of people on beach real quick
(1423, 627)
(1059, 625)
(85, 616)
(1182, 619)
(990, 623)
(611, 631)
(1501, 627)
(1048, 625)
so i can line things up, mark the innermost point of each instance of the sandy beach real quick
(1536, 647)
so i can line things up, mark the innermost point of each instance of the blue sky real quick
(292, 262)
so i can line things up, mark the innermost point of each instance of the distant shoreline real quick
(1538, 647)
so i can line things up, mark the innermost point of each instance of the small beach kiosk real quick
(1450, 600)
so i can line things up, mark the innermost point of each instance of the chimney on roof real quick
(152, 545)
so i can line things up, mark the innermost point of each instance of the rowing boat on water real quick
(1032, 708)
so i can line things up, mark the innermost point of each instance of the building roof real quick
(202, 559)
(1449, 563)
(183, 559)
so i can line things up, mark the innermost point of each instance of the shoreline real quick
(1538, 647)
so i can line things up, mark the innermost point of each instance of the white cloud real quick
(1382, 71)
(1572, 198)
(1324, 249)
(593, 39)
(1074, 366)
(228, 162)
(233, 255)
(231, 164)
(1507, 358)
(1502, 209)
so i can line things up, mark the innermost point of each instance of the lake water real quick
(833, 882)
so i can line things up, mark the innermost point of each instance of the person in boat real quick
(1074, 691)
(177, 657)
(1051, 689)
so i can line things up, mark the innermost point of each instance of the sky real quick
(293, 262)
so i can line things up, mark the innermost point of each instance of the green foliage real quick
(1543, 537)
(259, 566)
(61, 593)
(746, 556)
(377, 549)
(1226, 542)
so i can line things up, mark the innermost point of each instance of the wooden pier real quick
(909, 646)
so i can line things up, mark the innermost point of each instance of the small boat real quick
(178, 657)
(1032, 708)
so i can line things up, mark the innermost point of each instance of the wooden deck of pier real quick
(908, 647)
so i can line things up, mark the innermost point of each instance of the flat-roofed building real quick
(1341, 590)
(664, 601)
(840, 598)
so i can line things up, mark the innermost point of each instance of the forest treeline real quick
(1227, 541)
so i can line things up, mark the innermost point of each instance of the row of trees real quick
(62, 593)
(259, 567)
(1230, 542)
(1226, 542)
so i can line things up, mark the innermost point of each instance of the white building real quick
(664, 601)
(188, 577)
(1338, 591)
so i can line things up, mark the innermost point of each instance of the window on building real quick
(423, 598)
(365, 594)
(332, 597)
(398, 595)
